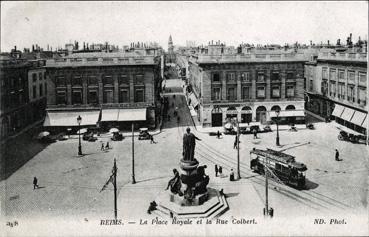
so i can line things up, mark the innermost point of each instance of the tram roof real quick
(276, 155)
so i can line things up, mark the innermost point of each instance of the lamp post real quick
(79, 120)
(238, 151)
(277, 138)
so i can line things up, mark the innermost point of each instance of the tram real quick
(280, 164)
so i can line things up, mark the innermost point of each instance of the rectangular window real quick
(290, 91)
(260, 93)
(61, 98)
(341, 75)
(275, 76)
(41, 91)
(34, 77)
(60, 81)
(341, 91)
(332, 75)
(290, 75)
(231, 93)
(108, 96)
(76, 97)
(34, 92)
(44, 75)
(124, 95)
(260, 77)
(351, 93)
(245, 92)
(92, 80)
(40, 76)
(276, 92)
(77, 81)
(325, 73)
(216, 93)
(123, 79)
(362, 77)
(362, 96)
(216, 77)
(139, 79)
(311, 84)
(108, 80)
(351, 76)
(93, 97)
(139, 95)
(332, 90)
(245, 77)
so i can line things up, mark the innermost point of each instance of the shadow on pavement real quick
(310, 185)
(151, 179)
(229, 195)
(18, 151)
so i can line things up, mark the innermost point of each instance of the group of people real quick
(103, 148)
(218, 169)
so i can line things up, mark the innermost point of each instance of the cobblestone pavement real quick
(70, 185)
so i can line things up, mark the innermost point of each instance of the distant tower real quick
(171, 56)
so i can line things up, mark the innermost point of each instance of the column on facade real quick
(131, 88)
(346, 84)
(253, 83)
(337, 82)
(283, 85)
(224, 86)
(239, 88)
(116, 88)
(101, 88)
(69, 88)
(267, 89)
(84, 89)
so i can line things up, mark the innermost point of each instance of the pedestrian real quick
(35, 185)
(255, 133)
(152, 139)
(235, 142)
(231, 175)
(220, 169)
(107, 146)
(218, 134)
(216, 170)
(337, 155)
(178, 118)
(102, 146)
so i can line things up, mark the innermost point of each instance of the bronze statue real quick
(175, 183)
(189, 143)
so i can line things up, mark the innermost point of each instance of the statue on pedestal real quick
(189, 143)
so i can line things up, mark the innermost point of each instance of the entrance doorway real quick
(216, 117)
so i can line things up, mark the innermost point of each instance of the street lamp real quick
(238, 151)
(277, 138)
(79, 120)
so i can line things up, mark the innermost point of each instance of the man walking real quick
(218, 134)
(255, 133)
(107, 146)
(216, 170)
(337, 155)
(102, 146)
(35, 185)
(152, 139)
(220, 170)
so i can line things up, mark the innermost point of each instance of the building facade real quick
(337, 88)
(124, 87)
(247, 87)
(19, 108)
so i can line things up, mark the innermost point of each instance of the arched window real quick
(290, 107)
(276, 108)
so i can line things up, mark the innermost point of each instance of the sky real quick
(120, 23)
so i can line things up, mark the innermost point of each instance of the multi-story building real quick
(337, 88)
(170, 57)
(124, 86)
(20, 79)
(249, 87)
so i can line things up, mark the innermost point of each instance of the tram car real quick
(280, 164)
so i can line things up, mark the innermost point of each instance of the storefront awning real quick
(109, 114)
(288, 113)
(194, 100)
(70, 118)
(132, 114)
(338, 109)
(246, 111)
(358, 118)
(347, 114)
(365, 123)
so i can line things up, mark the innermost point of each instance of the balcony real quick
(236, 58)
(361, 57)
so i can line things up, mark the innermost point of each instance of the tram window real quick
(278, 167)
(285, 169)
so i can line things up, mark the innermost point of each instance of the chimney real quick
(15, 48)
(328, 42)
(33, 48)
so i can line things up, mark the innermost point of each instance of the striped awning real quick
(287, 113)
(347, 114)
(338, 109)
(194, 100)
(358, 118)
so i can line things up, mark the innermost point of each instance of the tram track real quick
(204, 150)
